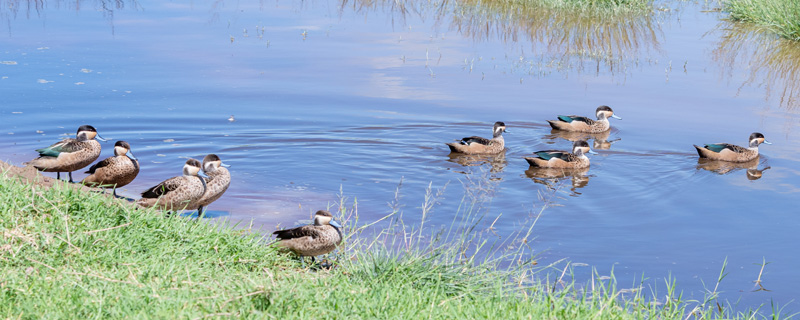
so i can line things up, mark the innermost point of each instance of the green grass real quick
(590, 5)
(779, 16)
(70, 254)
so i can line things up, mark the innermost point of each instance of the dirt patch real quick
(32, 176)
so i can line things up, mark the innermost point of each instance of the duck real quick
(219, 179)
(732, 153)
(69, 154)
(311, 240)
(562, 159)
(116, 171)
(177, 193)
(478, 145)
(584, 124)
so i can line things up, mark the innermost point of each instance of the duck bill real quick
(130, 154)
(98, 137)
(616, 116)
(766, 142)
(225, 165)
(202, 174)
(335, 224)
(592, 152)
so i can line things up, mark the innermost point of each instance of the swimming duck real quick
(562, 159)
(311, 240)
(478, 145)
(219, 178)
(177, 193)
(733, 153)
(583, 124)
(69, 154)
(116, 171)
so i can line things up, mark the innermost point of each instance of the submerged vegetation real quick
(66, 253)
(779, 16)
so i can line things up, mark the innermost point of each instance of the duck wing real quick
(299, 232)
(569, 119)
(105, 163)
(718, 147)
(475, 139)
(550, 154)
(66, 146)
(162, 188)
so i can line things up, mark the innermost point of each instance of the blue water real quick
(328, 95)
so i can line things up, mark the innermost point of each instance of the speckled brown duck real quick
(219, 179)
(479, 145)
(584, 124)
(69, 154)
(733, 153)
(311, 240)
(562, 159)
(177, 193)
(116, 171)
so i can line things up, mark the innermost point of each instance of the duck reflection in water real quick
(725, 167)
(552, 177)
(600, 140)
(497, 162)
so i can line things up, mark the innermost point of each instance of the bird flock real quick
(577, 159)
(203, 183)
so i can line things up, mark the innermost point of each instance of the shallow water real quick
(359, 96)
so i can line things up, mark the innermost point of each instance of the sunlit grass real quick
(71, 254)
(779, 16)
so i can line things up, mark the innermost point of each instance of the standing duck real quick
(179, 192)
(562, 159)
(584, 124)
(219, 178)
(733, 153)
(116, 171)
(69, 154)
(478, 145)
(311, 240)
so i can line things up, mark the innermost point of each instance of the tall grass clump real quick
(779, 16)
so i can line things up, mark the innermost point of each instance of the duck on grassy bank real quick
(311, 240)
(177, 193)
(479, 145)
(584, 124)
(69, 154)
(219, 179)
(733, 153)
(116, 171)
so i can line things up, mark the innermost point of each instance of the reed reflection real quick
(772, 62)
(599, 140)
(11, 9)
(561, 40)
(551, 177)
(726, 167)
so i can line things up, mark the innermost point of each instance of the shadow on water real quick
(724, 167)
(772, 63)
(496, 162)
(561, 40)
(600, 140)
(552, 177)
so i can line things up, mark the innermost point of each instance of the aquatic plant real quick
(779, 16)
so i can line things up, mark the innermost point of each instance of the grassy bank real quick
(779, 16)
(71, 254)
